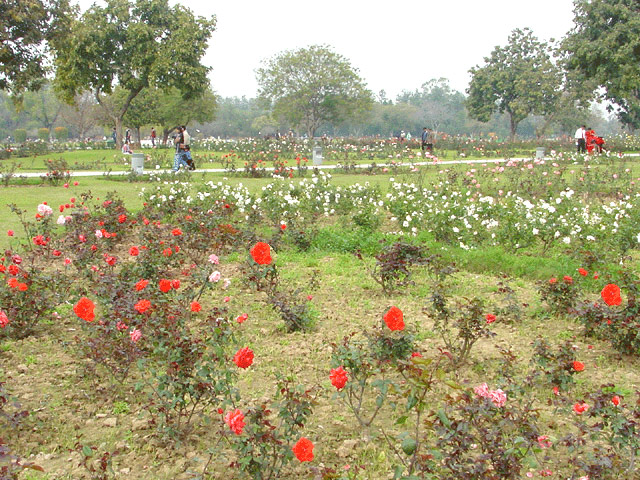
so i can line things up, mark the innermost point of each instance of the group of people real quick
(428, 138)
(587, 141)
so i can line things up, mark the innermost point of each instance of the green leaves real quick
(309, 86)
(519, 79)
(605, 46)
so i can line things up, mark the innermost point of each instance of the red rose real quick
(303, 450)
(142, 306)
(615, 400)
(491, 318)
(552, 280)
(393, 319)
(567, 279)
(338, 377)
(195, 306)
(243, 357)
(175, 284)
(242, 318)
(134, 251)
(84, 309)
(583, 272)
(261, 253)
(580, 408)
(578, 366)
(611, 294)
(235, 420)
(141, 285)
(164, 285)
(122, 218)
(176, 232)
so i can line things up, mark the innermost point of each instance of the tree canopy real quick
(311, 86)
(136, 45)
(26, 29)
(519, 79)
(604, 45)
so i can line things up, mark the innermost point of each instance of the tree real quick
(604, 45)
(439, 107)
(310, 86)
(519, 79)
(143, 110)
(82, 115)
(43, 106)
(135, 46)
(26, 29)
(173, 110)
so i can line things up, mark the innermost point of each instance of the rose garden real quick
(403, 321)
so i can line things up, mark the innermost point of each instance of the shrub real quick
(20, 135)
(43, 134)
(61, 133)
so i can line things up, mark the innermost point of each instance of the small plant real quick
(558, 367)
(265, 447)
(393, 266)
(460, 326)
(560, 294)
(294, 308)
(98, 468)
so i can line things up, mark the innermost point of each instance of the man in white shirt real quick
(580, 136)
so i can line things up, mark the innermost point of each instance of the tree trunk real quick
(514, 126)
(139, 139)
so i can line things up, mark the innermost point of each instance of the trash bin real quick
(540, 152)
(137, 163)
(317, 155)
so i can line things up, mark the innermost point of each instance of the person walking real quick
(179, 158)
(186, 147)
(153, 137)
(127, 136)
(424, 138)
(581, 142)
(114, 136)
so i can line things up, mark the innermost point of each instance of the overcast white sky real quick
(395, 45)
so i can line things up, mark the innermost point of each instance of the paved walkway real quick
(270, 169)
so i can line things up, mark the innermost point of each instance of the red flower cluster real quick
(583, 272)
(243, 357)
(261, 253)
(164, 285)
(580, 408)
(303, 450)
(567, 279)
(394, 319)
(142, 306)
(195, 306)
(578, 366)
(84, 309)
(141, 285)
(611, 294)
(490, 318)
(176, 232)
(235, 420)
(338, 377)
(134, 251)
